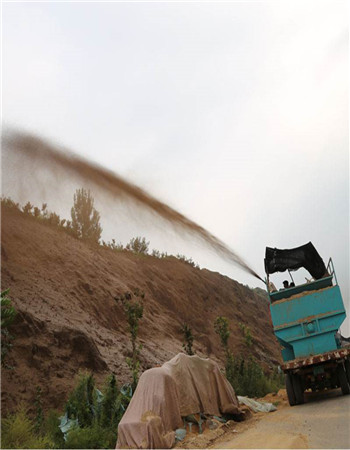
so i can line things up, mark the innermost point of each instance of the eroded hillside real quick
(68, 320)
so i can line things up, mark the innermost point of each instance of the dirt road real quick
(322, 422)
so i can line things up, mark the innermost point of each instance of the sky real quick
(234, 113)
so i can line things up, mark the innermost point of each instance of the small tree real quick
(188, 337)
(221, 327)
(248, 339)
(138, 245)
(44, 210)
(27, 208)
(85, 218)
(108, 415)
(9, 203)
(80, 404)
(134, 311)
(54, 219)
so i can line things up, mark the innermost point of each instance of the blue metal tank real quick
(306, 317)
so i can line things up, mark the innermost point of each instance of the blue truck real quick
(306, 320)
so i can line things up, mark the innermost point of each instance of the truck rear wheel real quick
(343, 381)
(290, 390)
(298, 389)
(347, 369)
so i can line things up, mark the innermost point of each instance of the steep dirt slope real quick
(68, 319)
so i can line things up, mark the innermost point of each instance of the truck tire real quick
(298, 389)
(290, 390)
(347, 369)
(343, 381)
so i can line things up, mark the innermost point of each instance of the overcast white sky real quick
(236, 114)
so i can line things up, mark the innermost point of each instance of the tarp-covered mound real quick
(182, 386)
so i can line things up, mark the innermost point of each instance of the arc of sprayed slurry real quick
(43, 153)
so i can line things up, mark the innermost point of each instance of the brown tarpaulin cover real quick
(182, 386)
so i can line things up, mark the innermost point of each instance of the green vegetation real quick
(113, 404)
(91, 437)
(134, 311)
(246, 334)
(94, 417)
(118, 247)
(161, 255)
(80, 405)
(43, 214)
(9, 203)
(243, 372)
(138, 245)
(221, 327)
(85, 218)
(97, 414)
(51, 429)
(188, 338)
(186, 260)
(8, 314)
(27, 208)
(248, 378)
(18, 431)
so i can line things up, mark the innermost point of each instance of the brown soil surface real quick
(68, 320)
